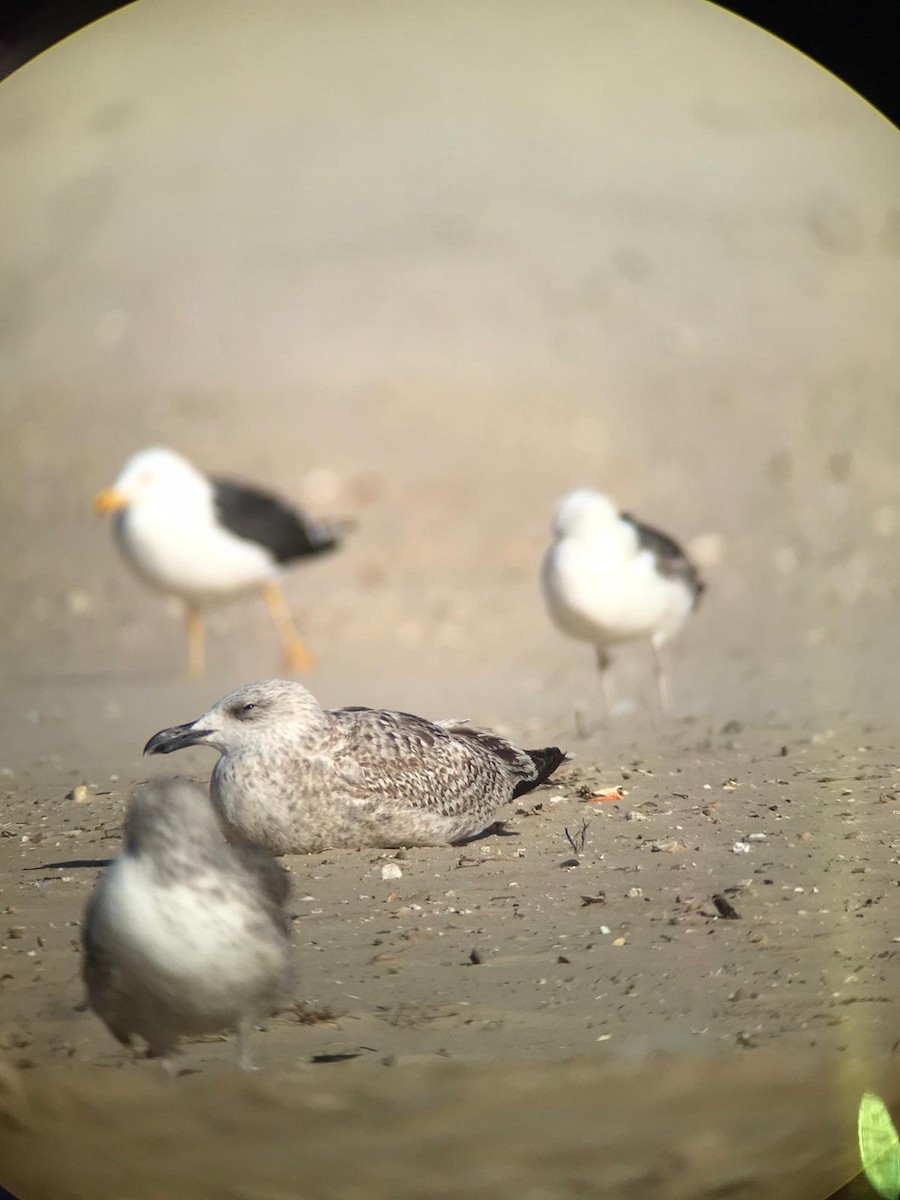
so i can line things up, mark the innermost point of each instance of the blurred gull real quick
(184, 934)
(209, 540)
(295, 778)
(608, 578)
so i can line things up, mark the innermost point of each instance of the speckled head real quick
(155, 475)
(256, 711)
(163, 812)
(584, 511)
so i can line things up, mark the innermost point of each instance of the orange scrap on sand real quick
(610, 794)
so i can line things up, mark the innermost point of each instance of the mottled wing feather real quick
(670, 558)
(100, 975)
(380, 729)
(399, 756)
(94, 964)
(270, 880)
(261, 517)
(520, 766)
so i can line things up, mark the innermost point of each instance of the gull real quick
(608, 579)
(184, 934)
(295, 778)
(208, 540)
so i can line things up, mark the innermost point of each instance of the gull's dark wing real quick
(671, 560)
(263, 518)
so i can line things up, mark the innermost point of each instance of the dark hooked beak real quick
(179, 737)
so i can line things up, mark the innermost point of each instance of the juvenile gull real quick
(608, 579)
(208, 540)
(184, 934)
(295, 778)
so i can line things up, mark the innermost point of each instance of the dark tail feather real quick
(323, 538)
(546, 761)
(342, 525)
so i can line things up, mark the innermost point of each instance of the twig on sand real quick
(578, 839)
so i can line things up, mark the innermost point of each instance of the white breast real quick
(174, 933)
(190, 554)
(597, 593)
(250, 804)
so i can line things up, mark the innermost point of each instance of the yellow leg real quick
(196, 644)
(297, 655)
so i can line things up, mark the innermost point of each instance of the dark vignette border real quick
(857, 40)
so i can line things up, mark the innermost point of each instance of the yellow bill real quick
(109, 501)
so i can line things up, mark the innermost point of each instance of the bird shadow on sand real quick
(498, 829)
(71, 864)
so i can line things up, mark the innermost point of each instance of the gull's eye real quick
(248, 707)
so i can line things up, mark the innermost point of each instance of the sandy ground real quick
(428, 269)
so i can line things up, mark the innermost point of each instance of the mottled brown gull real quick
(184, 934)
(295, 778)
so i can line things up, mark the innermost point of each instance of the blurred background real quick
(429, 267)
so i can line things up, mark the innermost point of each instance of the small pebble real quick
(79, 794)
(16, 932)
(605, 929)
(741, 848)
(391, 871)
(619, 942)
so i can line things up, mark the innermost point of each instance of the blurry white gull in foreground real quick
(208, 540)
(296, 778)
(608, 579)
(184, 934)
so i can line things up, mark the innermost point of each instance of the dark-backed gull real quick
(208, 540)
(294, 777)
(608, 578)
(184, 934)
